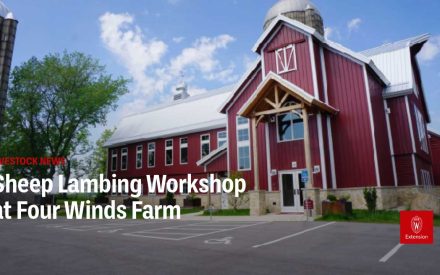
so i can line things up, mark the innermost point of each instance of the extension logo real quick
(416, 227)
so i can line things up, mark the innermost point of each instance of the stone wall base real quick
(257, 203)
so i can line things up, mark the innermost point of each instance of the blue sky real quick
(152, 42)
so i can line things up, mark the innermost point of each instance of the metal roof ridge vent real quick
(181, 92)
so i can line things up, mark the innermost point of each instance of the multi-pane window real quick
(243, 144)
(421, 129)
(124, 158)
(139, 157)
(183, 151)
(426, 178)
(169, 152)
(290, 127)
(222, 138)
(204, 145)
(114, 163)
(151, 154)
(286, 59)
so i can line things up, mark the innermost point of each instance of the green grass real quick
(380, 216)
(228, 212)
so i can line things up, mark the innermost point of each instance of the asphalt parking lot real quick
(203, 247)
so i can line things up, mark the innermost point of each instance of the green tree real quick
(53, 102)
(98, 159)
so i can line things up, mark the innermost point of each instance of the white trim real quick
(241, 90)
(286, 59)
(263, 66)
(172, 151)
(291, 209)
(332, 153)
(245, 143)
(122, 156)
(213, 155)
(148, 154)
(228, 161)
(268, 162)
(411, 130)
(203, 142)
(370, 110)
(415, 169)
(324, 74)
(390, 140)
(142, 155)
(180, 151)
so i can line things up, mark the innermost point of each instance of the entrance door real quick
(291, 188)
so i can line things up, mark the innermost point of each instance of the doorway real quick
(291, 191)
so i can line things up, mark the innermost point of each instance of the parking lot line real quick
(390, 254)
(293, 235)
(224, 230)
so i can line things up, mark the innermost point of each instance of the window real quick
(290, 127)
(204, 145)
(421, 130)
(124, 159)
(168, 152)
(222, 138)
(139, 157)
(286, 59)
(184, 151)
(114, 164)
(243, 144)
(185, 188)
(151, 154)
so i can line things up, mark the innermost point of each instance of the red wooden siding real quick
(405, 170)
(351, 130)
(414, 101)
(381, 132)
(220, 164)
(176, 170)
(399, 126)
(435, 151)
(302, 77)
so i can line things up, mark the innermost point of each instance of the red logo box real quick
(416, 227)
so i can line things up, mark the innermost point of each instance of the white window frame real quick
(185, 183)
(278, 132)
(426, 178)
(122, 157)
(284, 61)
(203, 142)
(421, 130)
(172, 152)
(182, 146)
(243, 143)
(219, 139)
(114, 156)
(139, 152)
(153, 150)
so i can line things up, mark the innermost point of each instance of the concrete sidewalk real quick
(266, 218)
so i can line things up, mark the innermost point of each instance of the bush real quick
(101, 198)
(331, 198)
(370, 197)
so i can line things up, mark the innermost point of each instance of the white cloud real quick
(430, 50)
(328, 32)
(178, 39)
(153, 75)
(126, 41)
(354, 24)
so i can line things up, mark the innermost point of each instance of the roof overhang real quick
(213, 155)
(273, 79)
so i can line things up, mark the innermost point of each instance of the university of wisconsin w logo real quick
(416, 224)
(416, 227)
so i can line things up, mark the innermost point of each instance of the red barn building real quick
(310, 118)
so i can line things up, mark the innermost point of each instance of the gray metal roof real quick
(193, 114)
(394, 46)
(284, 6)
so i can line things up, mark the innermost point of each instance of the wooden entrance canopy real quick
(276, 95)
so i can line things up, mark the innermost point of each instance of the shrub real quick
(129, 201)
(101, 198)
(370, 197)
(331, 198)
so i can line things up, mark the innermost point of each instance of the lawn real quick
(380, 216)
(228, 212)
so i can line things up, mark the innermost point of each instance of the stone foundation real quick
(257, 201)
